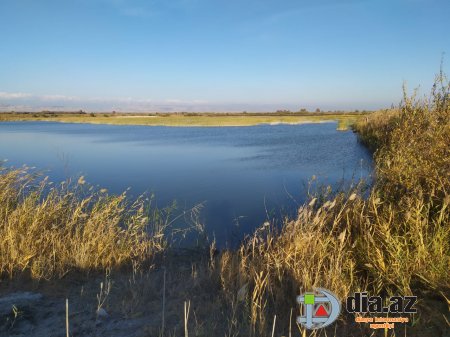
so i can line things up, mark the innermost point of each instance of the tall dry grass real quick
(395, 240)
(412, 145)
(48, 230)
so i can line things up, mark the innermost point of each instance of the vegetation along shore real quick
(112, 257)
(344, 119)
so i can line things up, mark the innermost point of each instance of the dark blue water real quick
(243, 175)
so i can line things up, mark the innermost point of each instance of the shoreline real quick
(176, 125)
(343, 121)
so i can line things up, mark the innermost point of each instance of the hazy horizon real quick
(198, 55)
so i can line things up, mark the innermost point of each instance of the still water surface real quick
(243, 175)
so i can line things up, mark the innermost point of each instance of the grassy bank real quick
(393, 240)
(187, 119)
(48, 231)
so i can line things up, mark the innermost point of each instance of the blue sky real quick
(254, 55)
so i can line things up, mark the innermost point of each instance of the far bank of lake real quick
(344, 120)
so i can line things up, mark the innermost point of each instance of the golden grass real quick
(344, 119)
(49, 230)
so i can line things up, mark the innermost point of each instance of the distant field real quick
(344, 119)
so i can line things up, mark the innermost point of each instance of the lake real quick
(242, 175)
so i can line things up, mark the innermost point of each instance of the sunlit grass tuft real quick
(50, 230)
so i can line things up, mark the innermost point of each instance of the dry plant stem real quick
(164, 302)
(273, 326)
(187, 307)
(67, 317)
(290, 324)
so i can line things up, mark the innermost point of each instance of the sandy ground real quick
(133, 307)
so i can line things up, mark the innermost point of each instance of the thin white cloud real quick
(173, 100)
(18, 101)
(56, 98)
(14, 95)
